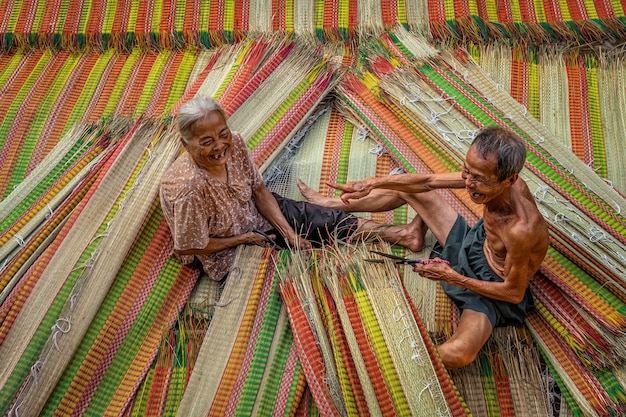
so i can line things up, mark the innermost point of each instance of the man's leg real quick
(462, 348)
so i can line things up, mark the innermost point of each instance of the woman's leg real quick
(377, 201)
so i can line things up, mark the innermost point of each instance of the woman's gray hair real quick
(192, 111)
(510, 149)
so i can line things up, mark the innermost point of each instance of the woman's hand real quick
(259, 239)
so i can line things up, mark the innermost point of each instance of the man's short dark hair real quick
(509, 147)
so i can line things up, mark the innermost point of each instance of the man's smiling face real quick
(479, 174)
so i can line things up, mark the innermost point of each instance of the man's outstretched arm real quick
(408, 183)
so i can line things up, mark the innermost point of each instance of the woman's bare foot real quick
(377, 201)
(315, 197)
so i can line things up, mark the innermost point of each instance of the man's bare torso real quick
(504, 229)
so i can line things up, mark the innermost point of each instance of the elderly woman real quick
(214, 199)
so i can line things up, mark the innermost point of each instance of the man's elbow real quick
(517, 299)
(516, 296)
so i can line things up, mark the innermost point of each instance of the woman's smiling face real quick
(210, 142)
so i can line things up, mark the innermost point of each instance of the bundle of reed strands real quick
(371, 351)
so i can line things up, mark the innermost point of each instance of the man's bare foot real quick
(410, 236)
(315, 197)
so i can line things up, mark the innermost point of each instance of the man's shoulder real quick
(528, 234)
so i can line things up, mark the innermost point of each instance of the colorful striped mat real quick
(567, 92)
(74, 76)
(171, 25)
(55, 188)
(535, 21)
(347, 320)
(441, 100)
(45, 93)
(70, 295)
(247, 364)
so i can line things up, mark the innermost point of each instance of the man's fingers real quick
(335, 185)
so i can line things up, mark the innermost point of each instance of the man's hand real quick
(435, 269)
(298, 242)
(352, 190)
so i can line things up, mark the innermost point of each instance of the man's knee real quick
(457, 355)
(462, 348)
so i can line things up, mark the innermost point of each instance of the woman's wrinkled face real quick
(210, 141)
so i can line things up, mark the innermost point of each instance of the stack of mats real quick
(363, 349)
(85, 318)
(569, 92)
(108, 24)
(81, 318)
(158, 25)
(425, 107)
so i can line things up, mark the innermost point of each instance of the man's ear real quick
(512, 179)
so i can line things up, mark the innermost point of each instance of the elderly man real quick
(214, 199)
(490, 264)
